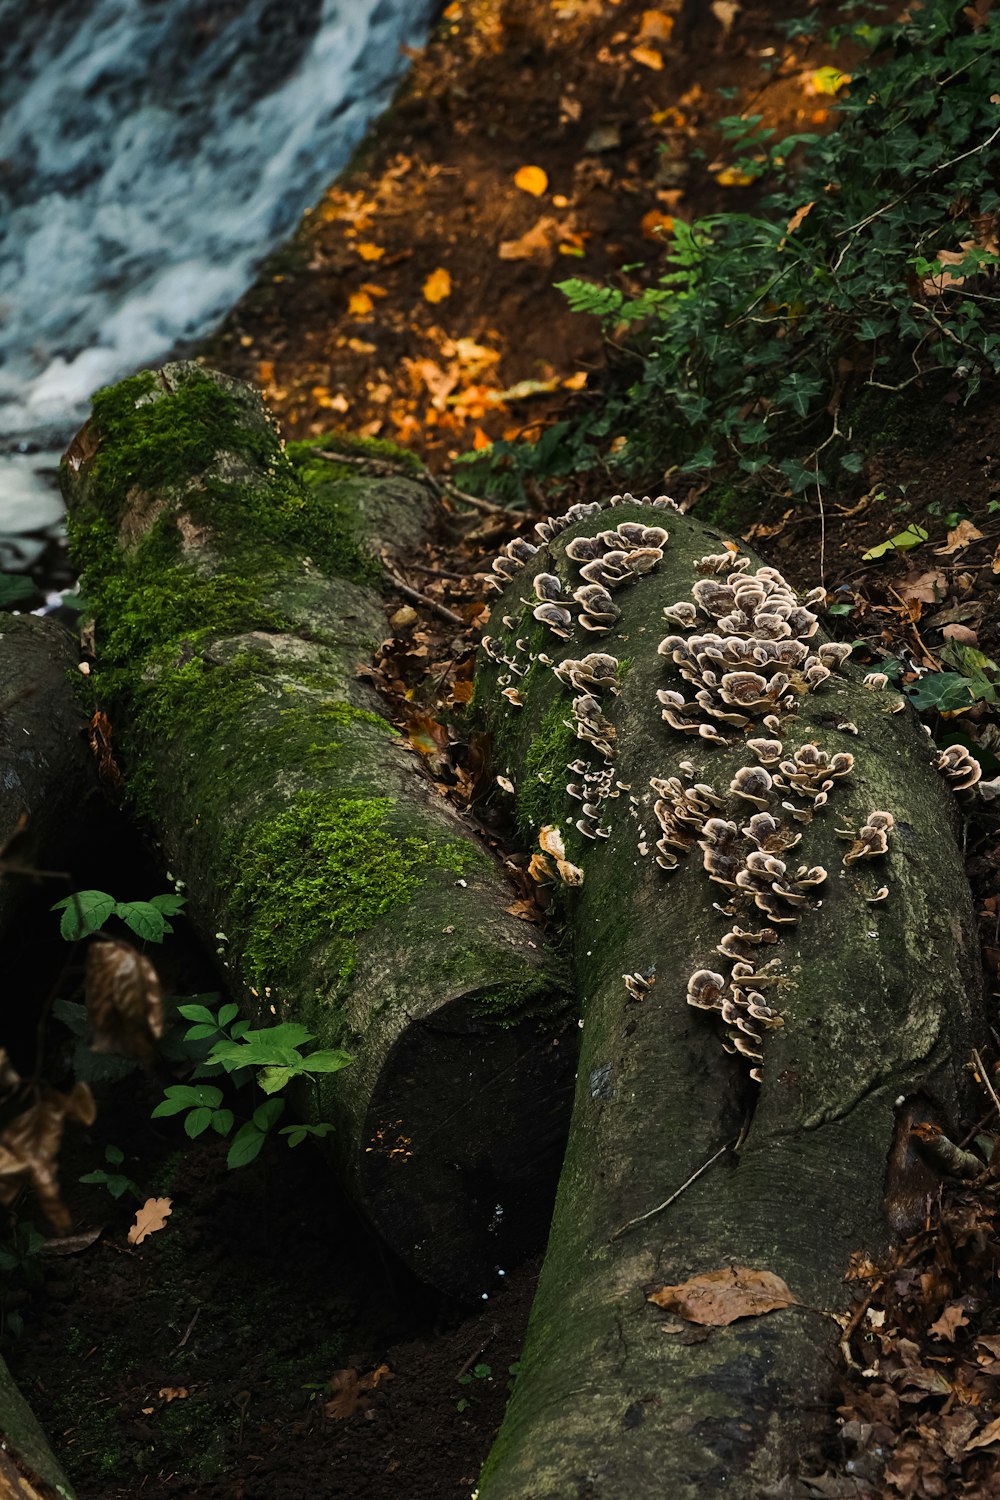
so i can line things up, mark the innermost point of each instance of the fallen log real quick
(28, 1467)
(775, 953)
(235, 598)
(47, 771)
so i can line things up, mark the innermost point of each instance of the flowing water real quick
(152, 152)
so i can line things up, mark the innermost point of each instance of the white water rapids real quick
(152, 152)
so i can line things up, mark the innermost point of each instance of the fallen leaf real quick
(828, 80)
(735, 177)
(531, 180)
(655, 26)
(359, 304)
(962, 634)
(152, 1216)
(29, 1148)
(437, 286)
(656, 224)
(989, 1434)
(951, 1320)
(798, 216)
(902, 542)
(720, 1297)
(648, 57)
(368, 251)
(170, 1393)
(124, 1001)
(996, 561)
(725, 12)
(352, 1393)
(925, 588)
(537, 241)
(960, 536)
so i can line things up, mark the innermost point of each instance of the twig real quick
(422, 476)
(986, 1079)
(418, 598)
(683, 1188)
(477, 1352)
(188, 1330)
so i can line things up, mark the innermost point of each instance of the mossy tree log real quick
(28, 1467)
(235, 595)
(878, 999)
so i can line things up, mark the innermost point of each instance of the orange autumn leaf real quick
(798, 216)
(481, 440)
(368, 251)
(152, 1216)
(656, 224)
(648, 57)
(655, 26)
(437, 286)
(359, 304)
(531, 180)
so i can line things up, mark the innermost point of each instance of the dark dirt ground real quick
(339, 331)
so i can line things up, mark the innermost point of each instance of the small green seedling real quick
(85, 912)
(117, 1183)
(478, 1372)
(271, 1057)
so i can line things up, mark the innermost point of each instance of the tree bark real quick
(235, 598)
(47, 771)
(879, 1000)
(28, 1467)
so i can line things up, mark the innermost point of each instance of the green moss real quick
(731, 507)
(541, 797)
(327, 867)
(356, 446)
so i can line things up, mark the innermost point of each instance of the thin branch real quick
(683, 1188)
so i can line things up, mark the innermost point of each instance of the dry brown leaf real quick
(951, 1320)
(437, 286)
(359, 304)
(152, 1216)
(928, 588)
(170, 1393)
(352, 1393)
(655, 26)
(648, 57)
(717, 1298)
(539, 240)
(531, 180)
(368, 251)
(124, 1002)
(960, 536)
(996, 561)
(798, 216)
(962, 634)
(656, 224)
(29, 1149)
(989, 1434)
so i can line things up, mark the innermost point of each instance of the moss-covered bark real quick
(878, 1000)
(235, 594)
(28, 1468)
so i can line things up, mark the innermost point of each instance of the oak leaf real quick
(960, 536)
(352, 1393)
(152, 1216)
(951, 1320)
(537, 241)
(717, 1298)
(795, 222)
(29, 1149)
(989, 1434)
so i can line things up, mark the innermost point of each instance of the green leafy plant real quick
(871, 253)
(20, 1271)
(117, 1183)
(271, 1057)
(86, 912)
